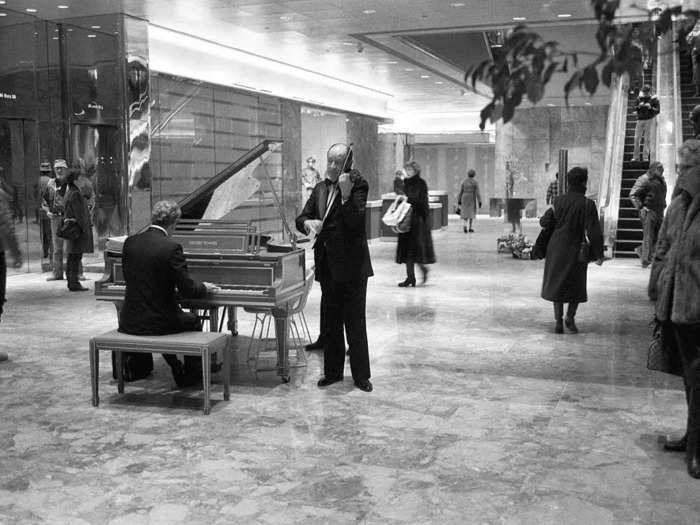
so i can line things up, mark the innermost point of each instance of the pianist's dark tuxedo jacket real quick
(342, 243)
(154, 266)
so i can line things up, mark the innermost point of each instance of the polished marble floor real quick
(480, 413)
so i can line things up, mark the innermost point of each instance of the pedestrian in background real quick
(648, 195)
(416, 245)
(8, 244)
(565, 275)
(674, 284)
(469, 197)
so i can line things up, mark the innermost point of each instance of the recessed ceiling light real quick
(286, 18)
(519, 18)
(391, 62)
(564, 15)
(91, 35)
(54, 38)
(30, 10)
(425, 76)
(588, 103)
(458, 4)
(551, 105)
(369, 11)
(95, 27)
(408, 69)
(3, 14)
(62, 6)
(2, 2)
(439, 82)
(348, 44)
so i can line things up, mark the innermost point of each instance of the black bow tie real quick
(331, 183)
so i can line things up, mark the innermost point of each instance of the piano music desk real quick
(201, 344)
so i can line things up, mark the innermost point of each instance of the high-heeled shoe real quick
(425, 274)
(408, 282)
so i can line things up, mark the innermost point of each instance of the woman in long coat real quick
(674, 284)
(416, 245)
(77, 210)
(468, 199)
(575, 218)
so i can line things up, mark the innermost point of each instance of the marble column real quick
(363, 133)
(137, 109)
(669, 123)
(291, 159)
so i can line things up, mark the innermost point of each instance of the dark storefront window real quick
(60, 97)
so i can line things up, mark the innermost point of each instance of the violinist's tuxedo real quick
(343, 265)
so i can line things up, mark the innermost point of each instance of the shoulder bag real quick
(398, 216)
(69, 230)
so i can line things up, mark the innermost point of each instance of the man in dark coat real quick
(154, 266)
(76, 210)
(575, 219)
(8, 243)
(648, 195)
(335, 213)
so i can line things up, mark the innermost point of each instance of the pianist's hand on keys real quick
(211, 287)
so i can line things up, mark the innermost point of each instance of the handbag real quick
(663, 355)
(539, 250)
(398, 216)
(69, 230)
(584, 252)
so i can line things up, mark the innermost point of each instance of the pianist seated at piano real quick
(154, 267)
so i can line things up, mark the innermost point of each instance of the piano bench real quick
(201, 344)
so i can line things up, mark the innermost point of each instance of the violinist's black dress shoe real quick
(78, 288)
(326, 381)
(364, 385)
(676, 445)
(408, 282)
(316, 345)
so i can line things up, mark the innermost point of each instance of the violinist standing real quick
(335, 213)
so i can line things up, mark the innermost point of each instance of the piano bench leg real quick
(94, 373)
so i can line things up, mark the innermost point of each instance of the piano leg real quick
(281, 331)
(94, 373)
(232, 320)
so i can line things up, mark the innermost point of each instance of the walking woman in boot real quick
(416, 245)
(77, 210)
(674, 284)
(575, 220)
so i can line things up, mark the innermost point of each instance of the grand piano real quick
(222, 248)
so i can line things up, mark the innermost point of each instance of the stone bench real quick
(201, 344)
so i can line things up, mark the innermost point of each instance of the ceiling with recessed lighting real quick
(372, 42)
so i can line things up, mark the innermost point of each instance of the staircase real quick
(629, 227)
(688, 98)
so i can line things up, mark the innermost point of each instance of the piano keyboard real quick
(223, 291)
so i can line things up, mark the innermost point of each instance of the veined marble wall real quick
(530, 144)
(363, 133)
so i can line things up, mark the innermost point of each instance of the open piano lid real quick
(208, 206)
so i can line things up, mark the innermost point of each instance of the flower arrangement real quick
(515, 243)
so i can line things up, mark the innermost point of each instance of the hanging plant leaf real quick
(573, 82)
(590, 79)
(606, 74)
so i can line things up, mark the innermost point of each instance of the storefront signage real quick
(7, 96)
(95, 105)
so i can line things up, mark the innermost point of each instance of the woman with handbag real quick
(468, 199)
(416, 245)
(77, 229)
(674, 284)
(568, 253)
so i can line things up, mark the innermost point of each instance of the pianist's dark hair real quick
(165, 213)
